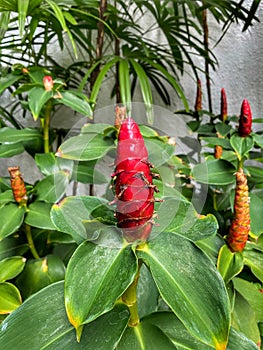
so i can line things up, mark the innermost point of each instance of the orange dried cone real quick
(218, 151)
(240, 227)
(223, 109)
(18, 185)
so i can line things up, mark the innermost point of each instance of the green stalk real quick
(129, 298)
(46, 123)
(31, 242)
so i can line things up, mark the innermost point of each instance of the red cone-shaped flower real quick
(240, 227)
(245, 120)
(223, 106)
(48, 83)
(133, 184)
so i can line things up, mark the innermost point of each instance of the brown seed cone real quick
(218, 151)
(18, 185)
(240, 227)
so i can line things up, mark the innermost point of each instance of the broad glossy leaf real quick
(52, 188)
(41, 323)
(171, 328)
(256, 214)
(38, 215)
(11, 267)
(12, 246)
(239, 341)
(258, 139)
(229, 264)
(241, 145)
(10, 298)
(85, 147)
(6, 197)
(144, 337)
(254, 259)
(159, 152)
(39, 273)
(211, 246)
(11, 219)
(186, 277)
(8, 80)
(147, 293)
(96, 277)
(38, 97)
(10, 150)
(252, 292)
(214, 172)
(70, 214)
(213, 141)
(244, 319)
(85, 172)
(11, 135)
(49, 164)
(255, 174)
(179, 216)
(76, 101)
(95, 128)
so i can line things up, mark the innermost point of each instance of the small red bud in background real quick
(240, 226)
(18, 185)
(133, 184)
(223, 109)
(48, 82)
(198, 100)
(245, 120)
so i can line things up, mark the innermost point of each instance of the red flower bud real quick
(245, 120)
(240, 227)
(133, 184)
(48, 82)
(223, 112)
(198, 100)
(17, 185)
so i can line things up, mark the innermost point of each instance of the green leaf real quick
(125, 85)
(10, 298)
(52, 188)
(91, 287)
(11, 267)
(8, 80)
(256, 214)
(223, 129)
(41, 323)
(159, 152)
(244, 319)
(12, 218)
(85, 172)
(38, 97)
(22, 7)
(186, 277)
(238, 341)
(49, 164)
(11, 135)
(38, 215)
(70, 214)
(214, 141)
(258, 139)
(76, 101)
(179, 216)
(85, 147)
(39, 273)
(229, 264)
(145, 89)
(214, 172)
(252, 292)
(241, 145)
(254, 259)
(12, 246)
(10, 150)
(6, 197)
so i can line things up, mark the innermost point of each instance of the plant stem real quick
(31, 242)
(129, 297)
(47, 116)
